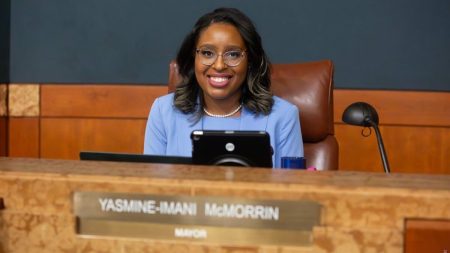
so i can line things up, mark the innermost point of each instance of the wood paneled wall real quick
(415, 126)
(3, 120)
(427, 236)
(94, 117)
(3, 136)
(24, 137)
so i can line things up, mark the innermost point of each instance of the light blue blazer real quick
(168, 130)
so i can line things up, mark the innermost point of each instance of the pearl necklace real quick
(223, 115)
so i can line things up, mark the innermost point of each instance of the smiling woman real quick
(225, 85)
(220, 82)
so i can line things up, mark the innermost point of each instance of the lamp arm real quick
(387, 170)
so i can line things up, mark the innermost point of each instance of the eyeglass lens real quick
(231, 58)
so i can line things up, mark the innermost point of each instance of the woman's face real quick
(220, 82)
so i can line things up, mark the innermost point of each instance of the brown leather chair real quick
(310, 87)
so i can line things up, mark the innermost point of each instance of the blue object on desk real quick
(293, 162)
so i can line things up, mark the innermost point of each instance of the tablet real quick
(231, 148)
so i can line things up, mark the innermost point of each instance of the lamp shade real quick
(360, 114)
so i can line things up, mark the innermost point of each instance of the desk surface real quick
(143, 171)
(361, 211)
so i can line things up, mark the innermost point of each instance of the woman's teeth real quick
(219, 79)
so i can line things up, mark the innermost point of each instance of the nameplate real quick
(233, 221)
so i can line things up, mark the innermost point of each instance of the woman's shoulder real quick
(164, 105)
(281, 105)
(165, 101)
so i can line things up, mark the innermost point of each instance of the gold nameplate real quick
(209, 219)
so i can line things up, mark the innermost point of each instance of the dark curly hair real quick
(256, 94)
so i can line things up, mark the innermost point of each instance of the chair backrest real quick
(309, 86)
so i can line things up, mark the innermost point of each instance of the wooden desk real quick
(362, 212)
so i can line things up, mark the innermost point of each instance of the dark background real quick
(382, 44)
(4, 40)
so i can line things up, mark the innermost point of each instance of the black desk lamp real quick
(363, 114)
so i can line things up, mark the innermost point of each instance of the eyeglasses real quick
(231, 58)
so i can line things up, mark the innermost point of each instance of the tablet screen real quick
(231, 148)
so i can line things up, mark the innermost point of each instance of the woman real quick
(226, 86)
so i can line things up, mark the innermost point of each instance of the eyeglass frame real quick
(242, 54)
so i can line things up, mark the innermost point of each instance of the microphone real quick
(363, 114)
